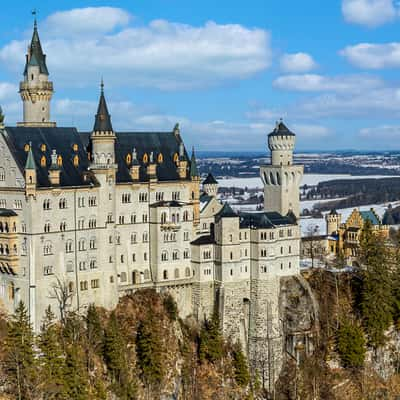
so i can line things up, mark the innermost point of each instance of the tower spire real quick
(102, 121)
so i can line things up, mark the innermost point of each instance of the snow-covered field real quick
(308, 179)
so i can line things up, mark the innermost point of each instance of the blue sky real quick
(226, 71)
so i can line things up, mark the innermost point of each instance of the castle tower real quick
(36, 90)
(103, 137)
(333, 221)
(210, 185)
(281, 178)
(195, 178)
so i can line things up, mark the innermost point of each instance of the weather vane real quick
(34, 13)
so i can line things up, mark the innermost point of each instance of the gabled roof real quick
(60, 139)
(281, 130)
(210, 180)
(370, 216)
(36, 57)
(226, 212)
(102, 121)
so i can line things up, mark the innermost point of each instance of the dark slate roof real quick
(36, 57)
(371, 216)
(205, 198)
(144, 142)
(5, 212)
(210, 180)
(102, 121)
(333, 212)
(226, 212)
(203, 240)
(263, 220)
(281, 130)
(194, 172)
(60, 139)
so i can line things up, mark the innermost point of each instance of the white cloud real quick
(320, 83)
(380, 132)
(373, 56)
(162, 54)
(370, 13)
(297, 62)
(311, 131)
(90, 20)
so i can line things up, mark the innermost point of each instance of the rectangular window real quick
(94, 283)
(48, 270)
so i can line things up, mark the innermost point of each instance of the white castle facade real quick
(104, 213)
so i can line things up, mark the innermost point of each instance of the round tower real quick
(281, 178)
(36, 90)
(333, 221)
(210, 185)
(281, 142)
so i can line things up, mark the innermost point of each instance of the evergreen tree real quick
(51, 358)
(149, 350)
(20, 363)
(94, 336)
(75, 374)
(242, 375)
(351, 345)
(115, 356)
(376, 292)
(170, 307)
(211, 340)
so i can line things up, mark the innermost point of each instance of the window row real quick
(177, 273)
(94, 284)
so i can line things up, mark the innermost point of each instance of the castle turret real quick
(195, 178)
(281, 178)
(210, 185)
(1, 119)
(134, 170)
(333, 221)
(36, 90)
(103, 137)
(182, 162)
(30, 174)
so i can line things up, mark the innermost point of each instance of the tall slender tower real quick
(36, 90)
(281, 178)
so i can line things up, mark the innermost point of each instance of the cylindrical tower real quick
(281, 178)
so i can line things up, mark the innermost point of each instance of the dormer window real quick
(75, 147)
(145, 158)
(43, 161)
(43, 147)
(27, 147)
(176, 157)
(160, 158)
(59, 161)
(128, 159)
(76, 161)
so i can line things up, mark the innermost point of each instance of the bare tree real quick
(313, 244)
(63, 295)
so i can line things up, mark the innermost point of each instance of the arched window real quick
(163, 217)
(75, 147)
(27, 147)
(187, 272)
(128, 159)
(2, 174)
(43, 161)
(164, 256)
(43, 147)
(176, 157)
(76, 161)
(59, 161)
(160, 158)
(165, 274)
(68, 246)
(145, 158)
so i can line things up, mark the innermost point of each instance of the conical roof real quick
(226, 212)
(194, 172)
(210, 180)
(35, 56)
(103, 118)
(30, 161)
(281, 130)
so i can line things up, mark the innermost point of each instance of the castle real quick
(87, 217)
